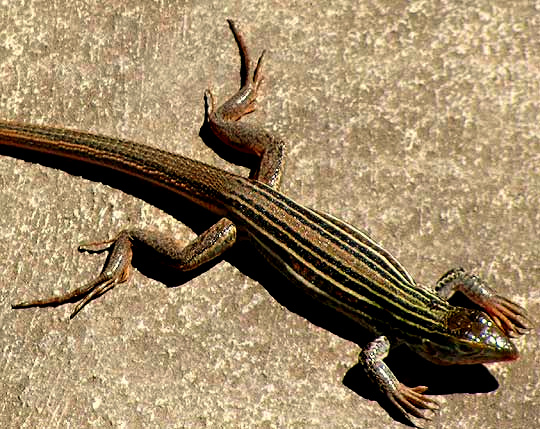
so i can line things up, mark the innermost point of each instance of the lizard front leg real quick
(407, 400)
(508, 316)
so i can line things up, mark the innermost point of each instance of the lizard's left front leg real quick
(508, 316)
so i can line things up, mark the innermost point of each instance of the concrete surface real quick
(416, 120)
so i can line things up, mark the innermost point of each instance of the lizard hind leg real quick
(243, 101)
(116, 270)
(207, 246)
(224, 121)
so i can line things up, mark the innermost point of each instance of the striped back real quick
(336, 263)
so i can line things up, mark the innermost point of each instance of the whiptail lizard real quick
(330, 260)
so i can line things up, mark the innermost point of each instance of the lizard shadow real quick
(409, 368)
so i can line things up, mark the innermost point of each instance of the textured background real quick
(418, 120)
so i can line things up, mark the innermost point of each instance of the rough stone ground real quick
(416, 120)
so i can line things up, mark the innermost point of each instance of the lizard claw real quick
(510, 317)
(411, 401)
(116, 271)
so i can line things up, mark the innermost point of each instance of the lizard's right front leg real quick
(409, 401)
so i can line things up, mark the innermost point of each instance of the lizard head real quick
(471, 337)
